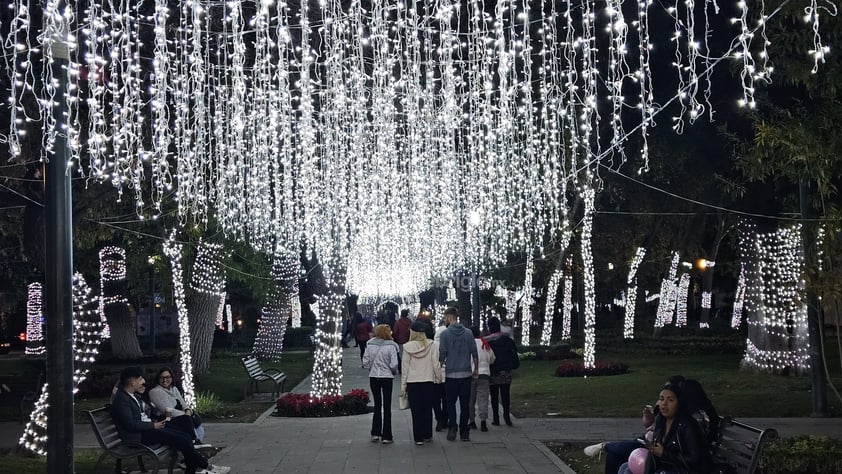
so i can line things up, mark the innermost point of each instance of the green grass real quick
(536, 392)
(84, 462)
(573, 455)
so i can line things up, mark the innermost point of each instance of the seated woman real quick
(134, 426)
(169, 404)
(679, 445)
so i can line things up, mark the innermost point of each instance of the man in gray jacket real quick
(456, 350)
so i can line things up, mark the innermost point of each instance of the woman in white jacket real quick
(381, 360)
(479, 386)
(420, 370)
(169, 404)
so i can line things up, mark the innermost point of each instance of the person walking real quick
(400, 333)
(505, 361)
(362, 332)
(457, 350)
(479, 386)
(381, 360)
(420, 373)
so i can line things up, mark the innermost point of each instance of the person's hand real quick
(475, 375)
(160, 424)
(657, 449)
(188, 412)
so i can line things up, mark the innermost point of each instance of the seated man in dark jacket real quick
(134, 426)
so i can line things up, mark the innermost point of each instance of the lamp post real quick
(152, 301)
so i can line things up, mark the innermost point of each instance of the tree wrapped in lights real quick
(208, 284)
(527, 300)
(87, 335)
(681, 295)
(35, 321)
(268, 344)
(739, 298)
(173, 250)
(113, 305)
(775, 304)
(327, 359)
(669, 289)
(549, 310)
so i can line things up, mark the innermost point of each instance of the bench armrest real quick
(273, 372)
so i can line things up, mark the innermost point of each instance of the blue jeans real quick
(617, 453)
(461, 389)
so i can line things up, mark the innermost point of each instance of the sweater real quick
(164, 398)
(505, 352)
(401, 333)
(457, 349)
(381, 358)
(420, 363)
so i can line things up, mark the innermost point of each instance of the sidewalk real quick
(341, 444)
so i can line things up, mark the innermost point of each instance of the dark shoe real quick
(466, 437)
(439, 426)
(473, 425)
(451, 434)
(495, 422)
(507, 419)
(483, 426)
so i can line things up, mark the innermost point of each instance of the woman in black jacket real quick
(679, 445)
(505, 361)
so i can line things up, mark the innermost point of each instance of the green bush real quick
(208, 404)
(801, 454)
(298, 338)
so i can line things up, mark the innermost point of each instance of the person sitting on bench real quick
(135, 426)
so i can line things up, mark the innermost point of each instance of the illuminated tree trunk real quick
(114, 306)
(202, 316)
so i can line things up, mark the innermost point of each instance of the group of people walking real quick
(438, 370)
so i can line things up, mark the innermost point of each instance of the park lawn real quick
(573, 455)
(536, 392)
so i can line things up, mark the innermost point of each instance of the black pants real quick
(361, 345)
(183, 423)
(381, 390)
(421, 396)
(180, 441)
(439, 403)
(500, 393)
(458, 389)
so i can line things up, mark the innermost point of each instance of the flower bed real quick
(578, 369)
(303, 405)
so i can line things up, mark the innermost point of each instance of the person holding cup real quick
(170, 405)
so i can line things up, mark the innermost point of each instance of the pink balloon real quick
(637, 460)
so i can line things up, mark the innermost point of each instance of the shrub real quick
(209, 404)
(802, 454)
(303, 405)
(527, 356)
(578, 369)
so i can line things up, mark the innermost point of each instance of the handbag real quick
(197, 421)
(403, 402)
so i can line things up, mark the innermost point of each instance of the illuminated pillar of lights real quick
(268, 344)
(775, 305)
(706, 299)
(228, 318)
(681, 295)
(327, 359)
(173, 251)
(739, 298)
(567, 305)
(220, 314)
(527, 300)
(588, 195)
(35, 321)
(666, 305)
(631, 294)
(112, 268)
(549, 309)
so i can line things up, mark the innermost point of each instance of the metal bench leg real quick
(140, 464)
(99, 461)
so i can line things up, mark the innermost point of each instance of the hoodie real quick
(505, 352)
(420, 363)
(456, 351)
(381, 358)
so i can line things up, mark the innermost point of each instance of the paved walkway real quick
(341, 444)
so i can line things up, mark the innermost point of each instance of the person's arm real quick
(123, 414)
(393, 358)
(164, 402)
(442, 349)
(367, 358)
(404, 370)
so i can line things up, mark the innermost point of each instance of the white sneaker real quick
(595, 450)
(219, 469)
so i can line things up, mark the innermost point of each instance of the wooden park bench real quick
(739, 446)
(109, 440)
(257, 374)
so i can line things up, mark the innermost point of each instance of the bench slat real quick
(740, 444)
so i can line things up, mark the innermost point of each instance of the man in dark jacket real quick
(134, 426)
